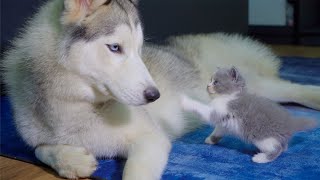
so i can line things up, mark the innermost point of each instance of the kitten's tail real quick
(303, 124)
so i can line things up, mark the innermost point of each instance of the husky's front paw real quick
(69, 161)
(75, 163)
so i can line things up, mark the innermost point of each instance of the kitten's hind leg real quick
(270, 149)
(215, 136)
(284, 145)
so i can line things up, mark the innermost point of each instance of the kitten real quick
(253, 119)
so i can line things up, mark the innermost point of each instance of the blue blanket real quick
(230, 159)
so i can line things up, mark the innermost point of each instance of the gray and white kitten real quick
(253, 119)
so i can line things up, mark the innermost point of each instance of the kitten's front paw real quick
(212, 140)
(184, 102)
(260, 158)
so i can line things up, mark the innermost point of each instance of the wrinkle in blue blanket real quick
(191, 158)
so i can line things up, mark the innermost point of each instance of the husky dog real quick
(249, 117)
(81, 84)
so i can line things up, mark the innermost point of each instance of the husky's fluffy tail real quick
(303, 124)
(284, 91)
(258, 64)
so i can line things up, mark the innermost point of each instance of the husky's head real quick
(102, 43)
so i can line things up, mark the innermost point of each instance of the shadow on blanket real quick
(230, 159)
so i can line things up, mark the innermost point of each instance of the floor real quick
(16, 170)
(289, 50)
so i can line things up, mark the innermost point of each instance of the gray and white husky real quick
(80, 80)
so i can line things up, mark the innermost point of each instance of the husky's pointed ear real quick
(135, 2)
(234, 74)
(76, 10)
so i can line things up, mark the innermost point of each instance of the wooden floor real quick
(303, 51)
(16, 170)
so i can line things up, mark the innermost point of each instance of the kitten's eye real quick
(215, 82)
(115, 48)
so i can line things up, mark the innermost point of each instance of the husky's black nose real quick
(151, 94)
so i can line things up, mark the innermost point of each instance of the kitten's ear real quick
(216, 70)
(234, 74)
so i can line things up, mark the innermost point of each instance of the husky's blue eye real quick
(115, 48)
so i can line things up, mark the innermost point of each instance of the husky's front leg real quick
(147, 157)
(69, 161)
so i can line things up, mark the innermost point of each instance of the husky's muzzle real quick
(151, 94)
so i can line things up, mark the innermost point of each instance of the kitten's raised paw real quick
(260, 158)
(212, 140)
(184, 102)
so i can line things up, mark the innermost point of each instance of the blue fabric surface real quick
(230, 159)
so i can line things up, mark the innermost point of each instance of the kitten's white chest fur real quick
(232, 126)
(220, 105)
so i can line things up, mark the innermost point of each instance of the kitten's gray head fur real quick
(226, 81)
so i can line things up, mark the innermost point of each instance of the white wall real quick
(267, 12)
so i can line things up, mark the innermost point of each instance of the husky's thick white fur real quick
(80, 83)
